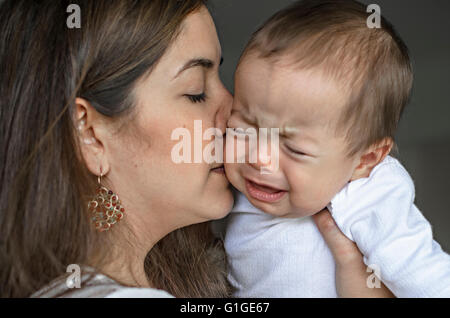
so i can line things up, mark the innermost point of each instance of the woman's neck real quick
(127, 271)
(125, 262)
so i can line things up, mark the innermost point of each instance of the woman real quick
(95, 107)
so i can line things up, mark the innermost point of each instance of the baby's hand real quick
(351, 272)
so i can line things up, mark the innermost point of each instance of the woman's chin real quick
(220, 207)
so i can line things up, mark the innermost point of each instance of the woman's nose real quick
(224, 111)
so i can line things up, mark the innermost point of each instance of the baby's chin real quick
(281, 210)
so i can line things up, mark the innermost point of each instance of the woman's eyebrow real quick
(202, 62)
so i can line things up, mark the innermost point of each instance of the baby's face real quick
(305, 106)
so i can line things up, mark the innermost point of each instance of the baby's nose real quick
(264, 159)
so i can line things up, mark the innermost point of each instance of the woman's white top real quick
(95, 285)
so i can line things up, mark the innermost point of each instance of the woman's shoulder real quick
(95, 285)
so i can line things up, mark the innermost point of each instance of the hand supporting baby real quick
(351, 272)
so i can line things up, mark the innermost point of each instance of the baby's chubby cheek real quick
(311, 194)
(306, 205)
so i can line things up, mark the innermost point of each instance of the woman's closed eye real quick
(200, 98)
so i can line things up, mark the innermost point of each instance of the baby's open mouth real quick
(263, 192)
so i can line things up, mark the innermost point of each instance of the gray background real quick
(424, 134)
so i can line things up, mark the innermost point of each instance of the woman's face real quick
(164, 195)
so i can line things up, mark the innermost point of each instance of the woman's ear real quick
(91, 137)
(371, 157)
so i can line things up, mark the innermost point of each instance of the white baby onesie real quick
(277, 257)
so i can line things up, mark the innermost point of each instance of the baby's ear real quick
(371, 157)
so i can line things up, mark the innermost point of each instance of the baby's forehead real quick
(296, 95)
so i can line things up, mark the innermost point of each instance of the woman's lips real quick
(263, 193)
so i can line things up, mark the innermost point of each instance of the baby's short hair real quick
(372, 63)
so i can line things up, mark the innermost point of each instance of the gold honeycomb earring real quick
(106, 208)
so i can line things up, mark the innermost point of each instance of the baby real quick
(336, 89)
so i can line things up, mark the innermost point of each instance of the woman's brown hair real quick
(44, 184)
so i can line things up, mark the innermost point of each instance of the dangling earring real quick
(106, 208)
